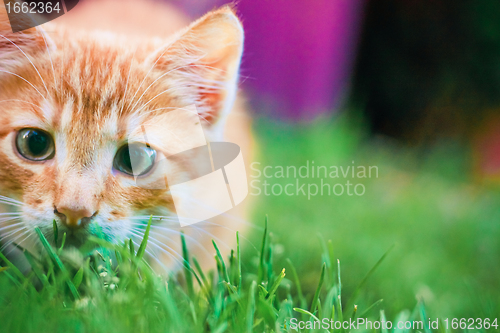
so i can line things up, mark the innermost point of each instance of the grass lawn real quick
(421, 242)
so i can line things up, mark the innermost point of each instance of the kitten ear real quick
(30, 41)
(204, 62)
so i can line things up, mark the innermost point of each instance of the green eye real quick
(35, 144)
(135, 159)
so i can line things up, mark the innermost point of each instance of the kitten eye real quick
(35, 144)
(135, 159)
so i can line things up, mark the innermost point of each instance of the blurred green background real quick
(443, 223)
(424, 108)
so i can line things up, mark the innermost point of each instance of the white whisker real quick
(176, 108)
(18, 242)
(14, 240)
(235, 218)
(153, 256)
(32, 64)
(152, 241)
(22, 78)
(165, 91)
(19, 100)
(11, 200)
(9, 203)
(13, 232)
(178, 233)
(50, 55)
(62, 66)
(128, 78)
(149, 71)
(158, 78)
(10, 226)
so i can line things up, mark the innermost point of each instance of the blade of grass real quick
(339, 280)
(222, 328)
(144, 242)
(204, 282)
(339, 294)
(78, 278)
(200, 272)
(230, 288)
(315, 299)
(131, 248)
(362, 315)
(332, 316)
(330, 250)
(326, 253)
(251, 307)
(118, 257)
(187, 267)
(268, 261)
(353, 317)
(231, 267)
(238, 254)
(36, 268)
(356, 292)
(14, 269)
(63, 242)
(383, 321)
(424, 317)
(262, 252)
(56, 233)
(13, 279)
(339, 311)
(276, 284)
(320, 308)
(50, 273)
(223, 265)
(306, 312)
(262, 291)
(233, 291)
(55, 258)
(297, 282)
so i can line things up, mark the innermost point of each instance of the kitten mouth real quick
(74, 239)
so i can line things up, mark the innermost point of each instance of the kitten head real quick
(73, 109)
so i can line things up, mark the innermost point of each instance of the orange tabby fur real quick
(92, 90)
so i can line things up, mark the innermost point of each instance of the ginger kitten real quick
(73, 102)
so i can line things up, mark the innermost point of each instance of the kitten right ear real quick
(205, 58)
(30, 41)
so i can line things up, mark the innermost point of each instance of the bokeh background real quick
(412, 87)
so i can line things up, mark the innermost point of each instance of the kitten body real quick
(92, 81)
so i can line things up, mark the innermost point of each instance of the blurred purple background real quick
(298, 54)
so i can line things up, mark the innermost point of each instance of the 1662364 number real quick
(33, 7)
(471, 323)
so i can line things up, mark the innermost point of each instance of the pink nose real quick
(74, 217)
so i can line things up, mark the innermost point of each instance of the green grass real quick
(423, 242)
(114, 290)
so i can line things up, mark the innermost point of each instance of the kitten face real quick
(74, 107)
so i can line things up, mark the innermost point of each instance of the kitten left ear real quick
(204, 62)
